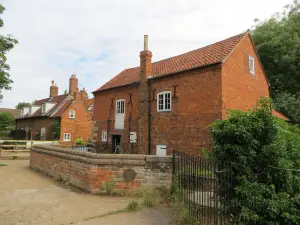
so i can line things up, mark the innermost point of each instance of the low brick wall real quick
(91, 171)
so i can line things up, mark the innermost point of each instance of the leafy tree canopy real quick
(6, 44)
(264, 157)
(278, 44)
(7, 121)
(21, 105)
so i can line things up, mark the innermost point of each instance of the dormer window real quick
(91, 108)
(72, 114)
(43, 109)
(251, 65)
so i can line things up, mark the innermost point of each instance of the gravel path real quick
(29, 197)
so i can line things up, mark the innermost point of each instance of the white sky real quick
(97, 39)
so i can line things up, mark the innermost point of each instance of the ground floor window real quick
(67, 137)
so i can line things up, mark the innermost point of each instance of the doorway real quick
(116, 144)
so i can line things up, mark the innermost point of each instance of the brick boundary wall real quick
(91, 172)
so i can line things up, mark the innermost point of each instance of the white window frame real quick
(104, 136)
(43, 108)
(164, 94)
(70, 114)
(251, 68)
(120, 106)
(67, 137)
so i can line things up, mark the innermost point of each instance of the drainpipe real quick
(149, 118)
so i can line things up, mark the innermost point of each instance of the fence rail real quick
(83, 148)
(199, 184)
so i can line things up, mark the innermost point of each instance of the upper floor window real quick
(164, 101)
(72, 114)
(251, 65)
(120, 106)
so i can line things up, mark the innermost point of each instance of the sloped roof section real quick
(209, 55)
(62, 109)
(58, 100)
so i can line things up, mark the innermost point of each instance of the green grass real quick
(3, 164)
(198, 171)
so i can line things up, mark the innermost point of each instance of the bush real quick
(79, 141)
(132, 206)
(263, 153)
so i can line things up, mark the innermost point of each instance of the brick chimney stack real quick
(73, 84)
(144, 97)
(53, 89)
(83, 94)
(77, 96)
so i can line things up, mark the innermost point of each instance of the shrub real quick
(79, 141)
(263, 153)
(132, 206)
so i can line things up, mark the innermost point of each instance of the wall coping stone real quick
(100, 159)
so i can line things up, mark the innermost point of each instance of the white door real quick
(120, 114)
(161, 150)
(43, 133)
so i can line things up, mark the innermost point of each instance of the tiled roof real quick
(63, 108)
(88, 102)
(209, 55)
(59, 100)
(279, 115)
(55, 99)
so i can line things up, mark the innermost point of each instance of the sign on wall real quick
(132, 137)
(161, 150)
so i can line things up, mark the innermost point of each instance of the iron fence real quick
(83, 148)
(204, 186)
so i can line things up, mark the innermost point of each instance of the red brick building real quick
(65, 117)
(167, 105)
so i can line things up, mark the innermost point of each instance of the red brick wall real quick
(35, 125)
(80, 126)
(240, 89)
(196, 105)
(65, 165)
(103, 112)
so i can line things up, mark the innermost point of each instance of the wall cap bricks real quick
(100, 159)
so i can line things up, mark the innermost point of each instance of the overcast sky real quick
(97, 39)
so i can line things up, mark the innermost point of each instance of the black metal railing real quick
(83, 148)
(204, 187)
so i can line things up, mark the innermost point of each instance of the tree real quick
(278, 44)
(7, 121)
(6, 44)
(289, 105)
(56, 129)
(261, 155)
(21, 105)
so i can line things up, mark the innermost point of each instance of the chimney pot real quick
(145, 42)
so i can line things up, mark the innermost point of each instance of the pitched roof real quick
(58, 100)
(209, 55)
(279, 115)
(62, 109)
(89, 105)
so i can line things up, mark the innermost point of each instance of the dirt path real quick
(28, 197)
